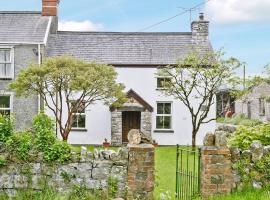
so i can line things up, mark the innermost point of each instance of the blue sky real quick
(241, 27)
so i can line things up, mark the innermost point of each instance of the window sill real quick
(160, 89)
(79, 129)
(163, 131)
(6, 78)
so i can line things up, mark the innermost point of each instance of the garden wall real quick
(94, 170)
(225, 169)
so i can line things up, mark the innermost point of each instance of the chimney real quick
(200, 30)
(50, 7)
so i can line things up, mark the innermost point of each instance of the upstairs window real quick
(6, 63)
(78, 117)
(5, 105)
(164, 115)
(161, 81)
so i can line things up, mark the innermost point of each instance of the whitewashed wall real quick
(143, 82)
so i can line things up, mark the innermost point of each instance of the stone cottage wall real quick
(116, 127)
(90, 169)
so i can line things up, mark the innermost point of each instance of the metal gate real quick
(187, 173)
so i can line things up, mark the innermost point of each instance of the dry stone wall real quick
(132, 168)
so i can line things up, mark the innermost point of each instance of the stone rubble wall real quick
(91, 170)
(228, 163)
(131, 167)
(252, 156)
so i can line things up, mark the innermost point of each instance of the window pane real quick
(167, 122)
(159, 122)
(4, 101)
(81, 121)
(160, 108)
(4, 55)
(167, 108)
(5, 70)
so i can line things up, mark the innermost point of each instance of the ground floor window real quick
(164, 115)
(5, 105)
(79, 116)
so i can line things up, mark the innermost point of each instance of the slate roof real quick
(22, 27)
(123, 48)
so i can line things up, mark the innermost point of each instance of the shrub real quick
(239, 120)
(20, 144)
(44, 132)
(59, 151)
(6, 127)
(245, 135)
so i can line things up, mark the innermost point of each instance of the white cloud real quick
(238, 11)
(79, 26)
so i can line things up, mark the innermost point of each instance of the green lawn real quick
(166, 170)
(165, 159)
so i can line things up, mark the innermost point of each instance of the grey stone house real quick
(255, 104)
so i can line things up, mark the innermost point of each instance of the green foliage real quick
(3, 161)
(112, 187)
(59, 151)
(245, 135)
(237, 84)
(239, 120)
(20, 145)
(6, 127)
(44, 132)
(67, 177)
(42, 139)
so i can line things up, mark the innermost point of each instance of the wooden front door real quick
(130, 120)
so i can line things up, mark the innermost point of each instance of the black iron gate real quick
(187, 173)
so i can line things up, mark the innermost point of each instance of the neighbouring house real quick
(29, 36)
(255, 104)
(23, 38)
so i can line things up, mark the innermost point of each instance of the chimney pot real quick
(50, 7)
(201, 16)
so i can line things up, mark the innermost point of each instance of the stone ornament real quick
(134, 136)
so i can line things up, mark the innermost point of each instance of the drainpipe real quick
(39, 63)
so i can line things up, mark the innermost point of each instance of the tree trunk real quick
(194, 134)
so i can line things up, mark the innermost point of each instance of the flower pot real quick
(106, 145)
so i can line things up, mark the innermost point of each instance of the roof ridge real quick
(20, 12)
(122, 33)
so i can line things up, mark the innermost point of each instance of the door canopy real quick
(135, 103)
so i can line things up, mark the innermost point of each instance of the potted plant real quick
(155, 144)
(106, 144)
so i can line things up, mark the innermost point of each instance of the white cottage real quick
(136, 58)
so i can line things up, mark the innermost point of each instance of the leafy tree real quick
(194, 81)
(69, 84)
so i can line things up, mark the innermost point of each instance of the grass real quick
(165, 161)
(248, 194)
(239, 120)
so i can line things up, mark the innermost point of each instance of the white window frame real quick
(2, 93)
(11, 62)
(169, 115)
(161, 77)
(79, 114)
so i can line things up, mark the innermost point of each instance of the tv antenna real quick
(190, 10)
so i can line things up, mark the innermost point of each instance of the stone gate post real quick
(141, 167)
(216, 171)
